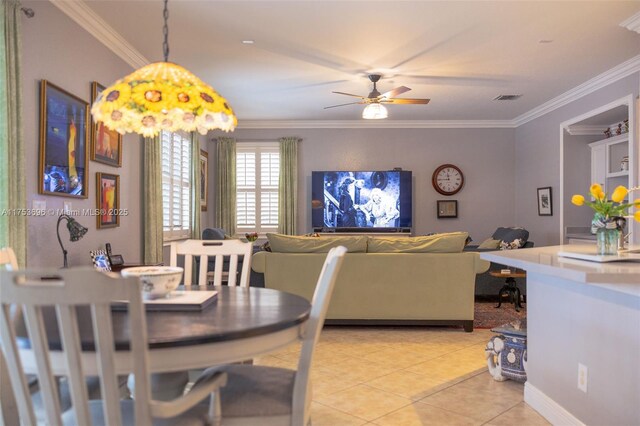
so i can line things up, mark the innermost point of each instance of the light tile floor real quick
(404, 376)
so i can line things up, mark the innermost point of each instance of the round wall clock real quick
(447, 179)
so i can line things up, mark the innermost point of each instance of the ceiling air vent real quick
(506, 97)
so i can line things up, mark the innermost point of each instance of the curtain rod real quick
(250, 140)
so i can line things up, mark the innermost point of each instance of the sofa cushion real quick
(510, 234)
(293, 244)
(489, 243)
(452, 242)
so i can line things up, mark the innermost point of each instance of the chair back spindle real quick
(75, 289)
(205, 249)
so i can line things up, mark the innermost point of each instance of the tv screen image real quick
(361, 200)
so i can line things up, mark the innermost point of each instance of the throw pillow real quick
(489, 243)
(266, 247)
(512, 245)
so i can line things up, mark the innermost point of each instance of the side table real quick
(510, 288)
(507, 353)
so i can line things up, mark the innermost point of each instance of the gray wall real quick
(58, 50)
(537, 150)
(577, 178)
(486, 157)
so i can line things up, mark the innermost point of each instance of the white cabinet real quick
(607, 162)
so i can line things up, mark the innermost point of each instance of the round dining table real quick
(240, 324)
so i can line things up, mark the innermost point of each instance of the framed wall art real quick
(204, 180)
(63, 163)
(447, 209)
(107, 200)
(106, 144)
(544, 202)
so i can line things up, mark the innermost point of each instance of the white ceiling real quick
(459, 54)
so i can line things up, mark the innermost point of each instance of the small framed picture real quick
(107, 200)
(106, 144)
(100, 260)
(544, 202)
(447, 209)
(204, 180)
(63, 168)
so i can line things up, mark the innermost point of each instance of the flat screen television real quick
(361, 201)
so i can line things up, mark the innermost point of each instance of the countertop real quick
(620, 276)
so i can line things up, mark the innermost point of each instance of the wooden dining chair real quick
(257, 394)
(70, 289)
(203, 249)
(8, 407)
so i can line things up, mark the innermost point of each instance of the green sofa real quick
(409, 280)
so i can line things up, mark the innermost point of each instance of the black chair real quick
(486, 284)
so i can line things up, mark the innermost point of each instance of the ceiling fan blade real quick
(349, 94)
(350, 103)
(409, 101)
(394, 92)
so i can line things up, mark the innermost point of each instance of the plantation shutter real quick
(257, 179)
(175, 185)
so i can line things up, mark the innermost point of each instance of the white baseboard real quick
(548, 408)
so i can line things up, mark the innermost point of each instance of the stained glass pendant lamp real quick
(162, 96)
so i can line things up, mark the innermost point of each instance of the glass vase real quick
(607, 241)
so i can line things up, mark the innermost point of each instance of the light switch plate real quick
(67, 206)
(39, 204)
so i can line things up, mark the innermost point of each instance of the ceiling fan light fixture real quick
(374, 111)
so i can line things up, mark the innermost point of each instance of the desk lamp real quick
(76, 232)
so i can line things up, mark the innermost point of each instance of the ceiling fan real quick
(375, 101)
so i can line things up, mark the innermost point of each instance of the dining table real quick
(242, 323)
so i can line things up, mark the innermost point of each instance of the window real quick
(257, 179)
(176, 163)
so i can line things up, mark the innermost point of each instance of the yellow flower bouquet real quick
(608, 209)
(609, 215)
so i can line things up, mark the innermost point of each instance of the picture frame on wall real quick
(64, 156)
(204, 180)
(447, 209)
(107, 200)
(106, 144)
(545, 207)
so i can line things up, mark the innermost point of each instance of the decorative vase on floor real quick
(607, 239)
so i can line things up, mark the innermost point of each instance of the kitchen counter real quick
(583, 328)
(621, 276)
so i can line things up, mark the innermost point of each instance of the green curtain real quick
(13, 228)
(226, 185)
(152, 200)
(288, 186)
(194, 196)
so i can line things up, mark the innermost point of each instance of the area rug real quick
(488, 316)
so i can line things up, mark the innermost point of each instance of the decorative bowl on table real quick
(157, 281)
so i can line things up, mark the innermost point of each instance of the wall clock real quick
(447, 179)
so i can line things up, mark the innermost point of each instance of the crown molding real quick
(614, 74)
(80, 13)
(633, 23)
(585, 130)
(374, 124)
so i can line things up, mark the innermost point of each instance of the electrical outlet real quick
(583, 376)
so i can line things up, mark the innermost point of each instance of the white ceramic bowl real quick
(157, 281)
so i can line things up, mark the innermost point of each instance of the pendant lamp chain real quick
(165, 31)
